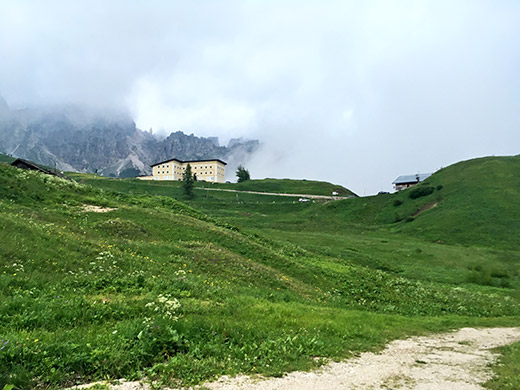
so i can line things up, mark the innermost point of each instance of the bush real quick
(398, 202)
(419, 192)
(439, 187)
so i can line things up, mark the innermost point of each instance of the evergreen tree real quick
(187, 182)
(242, 174)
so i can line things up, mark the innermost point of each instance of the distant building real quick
(212, 170)
(32, 166)
(408, 181)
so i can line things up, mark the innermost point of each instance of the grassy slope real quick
(477, 205)
(290, 186)
(79, 291)
(169, 188)
(476, 215)
(6, 159)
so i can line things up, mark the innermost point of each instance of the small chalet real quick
(32, 166)
(407, 181)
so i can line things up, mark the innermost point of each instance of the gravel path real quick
(448, 361)
(456, 360)
(308, 196)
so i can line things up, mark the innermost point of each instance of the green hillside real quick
(289, 186)
(472, 202)
(172, 188)
(6, 159)
(109, 282)
(444, 243)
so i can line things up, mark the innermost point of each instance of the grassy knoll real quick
(289, 186)
(263, 284)
(475, 203)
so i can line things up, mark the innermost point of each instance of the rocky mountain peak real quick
(107, 143)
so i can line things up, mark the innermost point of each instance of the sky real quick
(352, 92)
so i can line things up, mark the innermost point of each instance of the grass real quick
(183, 292)
(289, 186)
(172, 188)
(6, 159)
(506, 370)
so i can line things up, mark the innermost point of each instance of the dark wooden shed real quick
(26, 164)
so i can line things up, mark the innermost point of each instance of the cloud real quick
(352, 92)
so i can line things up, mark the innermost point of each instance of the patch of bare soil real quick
(429, 206)
(96, 209)
(449, 361)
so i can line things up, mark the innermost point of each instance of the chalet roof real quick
(188, 161)
(411, 178)
(26, 164)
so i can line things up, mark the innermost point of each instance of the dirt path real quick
(448, 361)
(457, 360)
(308, 196)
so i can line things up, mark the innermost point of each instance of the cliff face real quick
(109, 144)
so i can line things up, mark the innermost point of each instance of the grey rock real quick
(108, 143)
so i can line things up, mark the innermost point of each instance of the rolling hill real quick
(119, 279)
(472, 202)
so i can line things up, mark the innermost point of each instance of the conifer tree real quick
(187, 182)
(242, 174)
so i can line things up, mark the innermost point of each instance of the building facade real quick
(407, 181)
(212, 170)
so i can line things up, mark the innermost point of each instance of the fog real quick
(352, 92)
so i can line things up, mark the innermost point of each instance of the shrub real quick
(419, 192)
(409, 219)
(439, 187)
(398, 202)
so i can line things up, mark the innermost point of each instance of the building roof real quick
(411, 178)
(26, 164)
(189, 161)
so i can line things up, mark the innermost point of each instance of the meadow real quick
(180, 291)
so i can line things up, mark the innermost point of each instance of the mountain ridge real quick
(109, 143)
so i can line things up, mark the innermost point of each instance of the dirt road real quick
(328, 197)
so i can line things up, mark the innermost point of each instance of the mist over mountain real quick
(109, 143)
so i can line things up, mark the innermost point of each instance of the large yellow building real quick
(213, 170)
